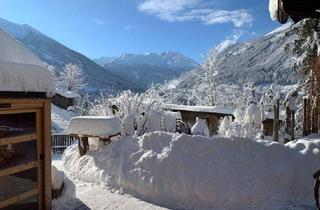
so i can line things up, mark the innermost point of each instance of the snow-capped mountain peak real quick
(152, 67)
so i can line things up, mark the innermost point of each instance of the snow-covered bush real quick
(200, 127)
(170, 121)
(140, 112)
(247, 125)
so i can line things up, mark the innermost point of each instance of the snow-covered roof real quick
(94, 126)
(21, 70)
(205, 109)
(17, 77)
(66, 93)
(282, 115)
(13, 51)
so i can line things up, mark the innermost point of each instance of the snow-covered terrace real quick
(94, 126)
(199, 109)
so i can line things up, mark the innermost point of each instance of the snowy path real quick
(97, 197)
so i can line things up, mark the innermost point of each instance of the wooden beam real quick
(40, 158)
(18, 198)
(17, 139)
(18, 111)
(17, 169)
(276, 122)
(46, 146)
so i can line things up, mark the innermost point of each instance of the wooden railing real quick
(59, 142)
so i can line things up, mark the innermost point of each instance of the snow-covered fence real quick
(59, 142)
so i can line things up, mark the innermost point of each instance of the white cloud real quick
(186, 10)
(128, 27)
(99, 21)
(229, 41)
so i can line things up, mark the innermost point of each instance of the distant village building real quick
(213, 114)
(64, 98)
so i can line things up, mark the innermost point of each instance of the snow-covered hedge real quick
(194, 172)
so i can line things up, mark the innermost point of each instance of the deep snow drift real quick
(193, 172)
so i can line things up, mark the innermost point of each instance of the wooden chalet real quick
(64, 99)
(25, 128)
(213, 114)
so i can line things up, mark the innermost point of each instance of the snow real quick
(200, 127)
(84, 195)
(170, 121)
(253, 114)
(66, 93)
(194, 172)
(282, 115)
(154, 121)
(20, 69)
(57, 178)
(60, 119)
(281, 28)
(207, 109)
(17, 77)
(14, 52)
(94, 126)
(128, 125)
(273, 9)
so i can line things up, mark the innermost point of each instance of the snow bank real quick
(94, 126)
(170, 121)
(57, 178)
(193, 172)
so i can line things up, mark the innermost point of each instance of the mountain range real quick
(263, 62)
(149, 68)
(129, 71)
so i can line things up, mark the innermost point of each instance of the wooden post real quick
(308, 117)
(276, 121)
(262, 119)
(314, 114)
(288, 123)
(304, 129)
(83, 144)
(292, 124)
(46, 120)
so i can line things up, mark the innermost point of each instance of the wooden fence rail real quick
(59, 142)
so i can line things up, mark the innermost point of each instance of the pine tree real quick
(307, 51)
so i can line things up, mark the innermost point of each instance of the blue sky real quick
(98, 28)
